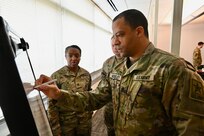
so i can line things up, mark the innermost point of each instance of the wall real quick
(163, 41)
(191, 34)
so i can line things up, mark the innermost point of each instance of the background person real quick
(73, 78)
(154, 93)
(197, 57)
(108, 65)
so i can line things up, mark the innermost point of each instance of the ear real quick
(139, 31)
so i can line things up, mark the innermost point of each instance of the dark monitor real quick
(14, 103)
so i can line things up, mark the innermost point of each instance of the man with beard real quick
(154, 93)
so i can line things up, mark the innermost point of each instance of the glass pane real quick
(35, 98)
(24, 112)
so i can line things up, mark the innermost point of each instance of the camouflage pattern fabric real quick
(159, 95)
(197, 59)
(63, 120)
(108, 109)
(108, 119)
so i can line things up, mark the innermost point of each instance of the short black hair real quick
(134, 18)
(72, 46)
(200, 43)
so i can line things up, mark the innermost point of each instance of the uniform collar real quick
(143, 62)
(69, 72)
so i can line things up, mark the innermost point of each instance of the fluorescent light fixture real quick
(112, 5)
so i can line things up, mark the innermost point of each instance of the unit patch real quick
(196, 92)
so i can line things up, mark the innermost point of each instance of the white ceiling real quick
(191, 8)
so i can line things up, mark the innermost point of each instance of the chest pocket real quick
(132, 93)
(75, 84)
(138, 91)
(115, 80)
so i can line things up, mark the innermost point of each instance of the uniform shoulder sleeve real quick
(185, 92)
(193, 93)
(107, 66)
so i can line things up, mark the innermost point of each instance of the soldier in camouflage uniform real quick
(64, 121)
(197, 58)
(154, 93)
(107, 67)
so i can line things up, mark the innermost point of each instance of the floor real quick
(98, 126)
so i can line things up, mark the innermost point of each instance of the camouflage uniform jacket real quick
(109, 64)
(197, 59)
(71, 82)
(159, 95)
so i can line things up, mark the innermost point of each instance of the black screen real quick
(13, 98)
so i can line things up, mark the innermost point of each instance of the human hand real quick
(42, 79)
(50, 90)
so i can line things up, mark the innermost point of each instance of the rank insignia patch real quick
(115, 76)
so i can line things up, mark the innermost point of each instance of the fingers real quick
(46, 85)
(42, 79)
(44, 89)
(52, 91)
